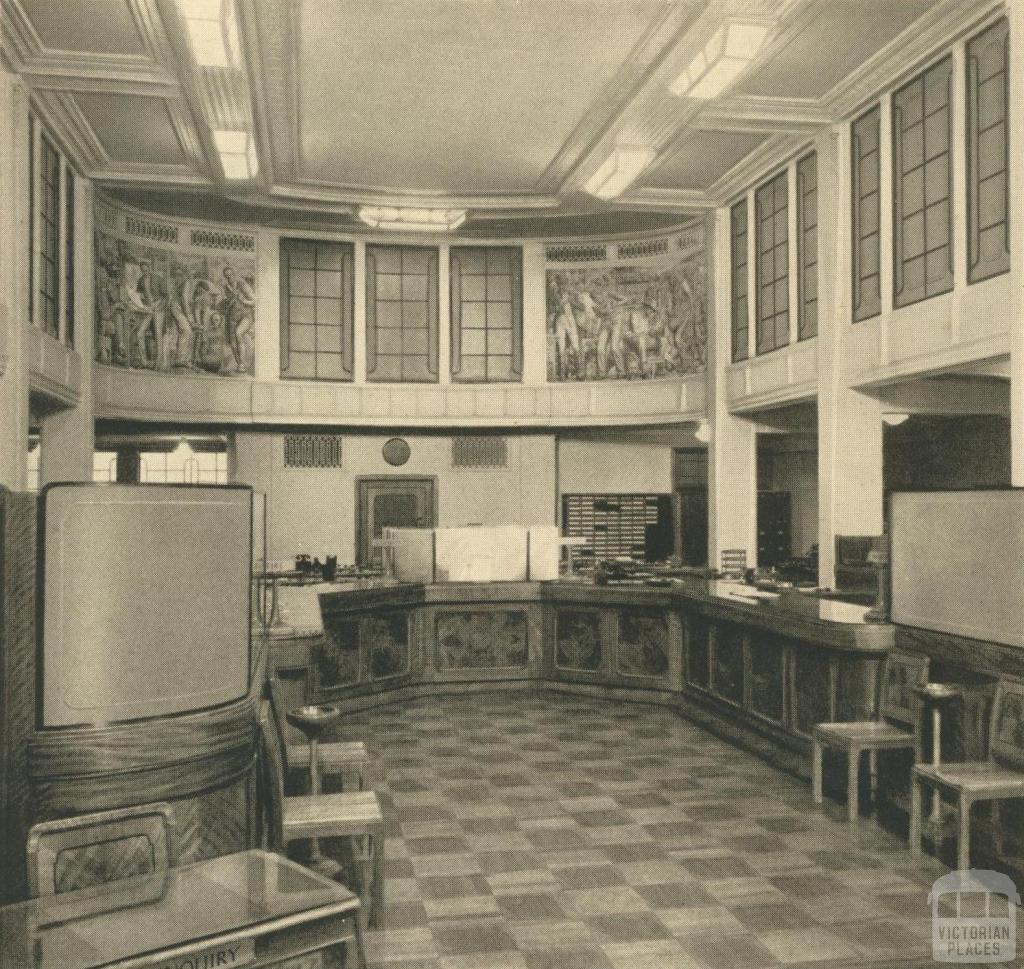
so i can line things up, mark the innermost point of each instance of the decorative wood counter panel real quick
(774, 665)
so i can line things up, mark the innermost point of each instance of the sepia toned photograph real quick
(511, 484)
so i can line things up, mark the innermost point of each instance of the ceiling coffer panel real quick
(469, 97)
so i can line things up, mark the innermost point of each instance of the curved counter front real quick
(776, 665)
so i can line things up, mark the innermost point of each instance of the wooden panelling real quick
(17, 683)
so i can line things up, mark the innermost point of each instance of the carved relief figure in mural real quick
(168, 310)
(627, 322)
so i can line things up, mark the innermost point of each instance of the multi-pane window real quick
(486, 314)
(183, 466)
(69, 257)
(865, 181)
(771, 206)
(922, 186)
(807, 244)
(738, 271)
(104, 466)
(401, 314)
(316, 310)
(49, 238)
(988, 231)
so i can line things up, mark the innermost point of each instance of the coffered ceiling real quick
(503, 107)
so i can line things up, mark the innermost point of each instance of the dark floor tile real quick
(626, 854)
(509, 780)
(489, 825)
(756, 844)
(768, 918)
(593, 876)
(807, 885)
(729, 952)
(502, 862)
(535, 907)
(404, 915)
(471, 936)
(423, 812)
(675, 895)
(588, 958)
(578, 789)
(629, 927)
(453, 886)
(601, 819)
(557, 839)
(716, 869)
(643, 799)
(783, 825)
(440, 845)
(398, 868)
(720, 811)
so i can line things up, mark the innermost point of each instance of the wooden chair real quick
(355, 815)
(1001, 777)
(92, 849)
(896, 728)
(337, 758)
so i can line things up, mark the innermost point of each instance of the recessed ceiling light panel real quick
(734, 45)
(412, 219)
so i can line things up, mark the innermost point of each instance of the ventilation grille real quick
(479, 452)
(312, 451)
(157, 231)
(593, 253)
(233, 241)
(638, 250)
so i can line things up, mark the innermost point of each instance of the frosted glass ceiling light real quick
(735, 44)
(212, 32)
(238, 157)
(412, 220)
(619, 170)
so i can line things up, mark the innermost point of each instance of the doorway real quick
(693, 526)
(394, 501)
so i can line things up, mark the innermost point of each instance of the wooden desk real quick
(248, 909)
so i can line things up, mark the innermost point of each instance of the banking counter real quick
(761, 669)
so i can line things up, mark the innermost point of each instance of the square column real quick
(850, 472)
(67, 434)
(732, 449)
(14, 216)
(1015, 13)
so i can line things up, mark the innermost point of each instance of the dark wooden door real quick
(693, 525)
(774, 528)
(391, 503)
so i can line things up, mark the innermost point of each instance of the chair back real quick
(272, 774)
(901, 674)
(278, 707)
(92, 849)
(1006, 737)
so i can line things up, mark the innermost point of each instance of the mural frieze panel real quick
(639, 316)
(171, 307)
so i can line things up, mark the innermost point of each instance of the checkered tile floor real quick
(540, 830)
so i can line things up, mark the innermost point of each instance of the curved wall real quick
(187, 324)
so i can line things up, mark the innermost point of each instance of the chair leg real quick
(964, 841)
(873, 771)
(852, 776)
(362, 853)
(378, 881)
(360, 946)
(915, 817)
(816, 770)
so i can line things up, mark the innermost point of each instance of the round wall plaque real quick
(396, 451)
